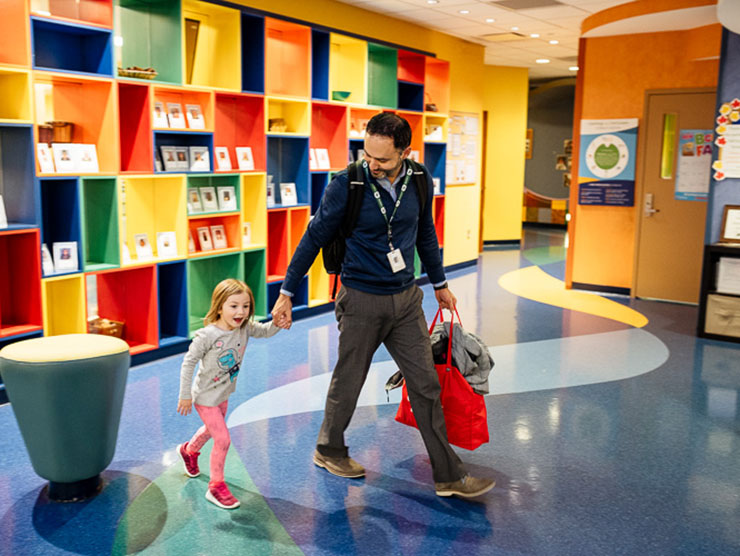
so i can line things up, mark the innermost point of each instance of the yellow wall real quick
(505, 99)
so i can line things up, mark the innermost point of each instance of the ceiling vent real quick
(526, 4)
(503, 37)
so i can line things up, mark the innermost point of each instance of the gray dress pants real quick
(366, 321)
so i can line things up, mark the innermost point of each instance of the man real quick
(379, 301)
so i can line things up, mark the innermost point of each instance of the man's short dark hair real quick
(393, 126)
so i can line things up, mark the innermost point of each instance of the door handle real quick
(648, 209)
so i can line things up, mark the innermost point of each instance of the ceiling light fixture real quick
(464, 11)
(490, 20)
(432, 1)
(535, 35)
(542, 61)
(553, 41)
(573, 68)
(515, 28)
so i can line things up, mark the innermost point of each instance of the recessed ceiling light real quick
(542, 61)
(432, 1)
(535, 35)
(515, 28)
(553, 41)
(464, 11)
(573, 68)
(490, 20)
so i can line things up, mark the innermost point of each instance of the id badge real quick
(396, 260)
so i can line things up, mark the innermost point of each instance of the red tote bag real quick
(464, 410)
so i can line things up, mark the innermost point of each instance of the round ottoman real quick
(67, 392)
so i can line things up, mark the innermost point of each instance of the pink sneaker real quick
(189, 460)
(219, 494)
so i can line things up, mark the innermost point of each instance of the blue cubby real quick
(60, 206)
(287, 162)
(17, 168)
(172, 295)
(62, 46)
(300, 299)
(410, 96)
(435, 159)
(185, 138)
(319, 181)
(253, 53)
(320, 65)
(354, 146)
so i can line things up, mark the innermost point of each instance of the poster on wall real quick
(694, 162)
(727, 164)
(607, 162)
(462, 148)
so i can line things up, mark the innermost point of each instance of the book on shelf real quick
(45, 158)
(125, 253)
(322, 159)
(174, 115)
(194, 201)
(195, 116)
(64, 158)
(270, 192)
(226, 197)
(437, 186)
(3, 214)
(166, 244)
(223, 160)
(246, 234)
(47, 263)
(158, 161)
(244, 158)
(191, 242)
(65, 256)
(209, 199)
(159, 115)
(181, 158)
(143, 247)
(312, 165)
(169, 158)
(86, 158)
(200, 160)
(288, 195)
(218, 234)
(204, 239)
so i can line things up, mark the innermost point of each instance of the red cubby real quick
(277, 244)
(240, 122)
(134, 116)
(230, 222)
(329, 131)
(411, 66)
(130, 296)
(439, 218)
(299, 218)
(20, 282)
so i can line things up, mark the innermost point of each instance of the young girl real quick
(219, 347)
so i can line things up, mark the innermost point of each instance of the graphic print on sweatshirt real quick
(228, 362)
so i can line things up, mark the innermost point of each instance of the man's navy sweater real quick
(366, 267)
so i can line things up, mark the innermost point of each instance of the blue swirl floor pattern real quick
(605, 439)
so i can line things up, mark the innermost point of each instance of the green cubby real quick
(216, 181)
(203, 275)
(382, 67)
(150, 32)
(255, 274)
(100, 242)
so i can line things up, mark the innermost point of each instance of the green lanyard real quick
(376, 194)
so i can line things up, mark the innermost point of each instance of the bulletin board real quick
(463, 137)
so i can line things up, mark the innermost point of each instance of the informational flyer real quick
(694, 164)
(607, 162)
(727, 164)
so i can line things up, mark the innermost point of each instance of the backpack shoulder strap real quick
(421, 181)
(355, 185)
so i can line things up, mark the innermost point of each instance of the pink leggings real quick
(214, 425)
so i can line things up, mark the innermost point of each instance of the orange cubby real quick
(299, 218)
(184, 97)
(358, 118)
(329, 131)
(130, 296)
(438, 212)
(240, 123)
(230, 222)
(411, 66)
(90, 12)
(277, 244)
(437, 84)
(89, 104)
(20, 282)
(287, 58)
(416, 122)
(15, 33)
(135, 125)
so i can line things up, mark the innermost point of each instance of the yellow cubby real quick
(64, 305)
(319, 283)
(287, 116)
(254, 209)
(347, 69)
(148, 205)
(15, 90)
(435, 128)
(212, 53)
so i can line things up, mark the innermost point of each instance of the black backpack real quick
(333, 252)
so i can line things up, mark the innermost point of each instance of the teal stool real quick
(67, 392)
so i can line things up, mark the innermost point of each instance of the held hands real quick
(282, 312)
(184, 407)
(446, 299)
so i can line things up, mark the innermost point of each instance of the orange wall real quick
(615, 73)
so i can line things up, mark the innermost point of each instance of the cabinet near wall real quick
(279, 87)
(719, 297)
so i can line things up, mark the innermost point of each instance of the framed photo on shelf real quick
(208, 198)
(174, 115)
(47, 263)
(288, 195)
(246, 234)
(194, 116)
(204, 239)
(244, 158)
(64, 157)
(322, 159)
(226, 198)
(730, 230)
(143, 247)
(125, 253)
(3, 214)
(200, 160)
(414, 155)
(159, 115)
(218, 234)
(223, 161)
(86, 158)
(169, 158)
(270, 192)
(437, 186)
(191, 242)
(65, 256)
(46, 161)
(181, 158)
(158, 161)
(312, 164)
(166, 244)
(194, 202)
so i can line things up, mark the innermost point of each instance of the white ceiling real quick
(556, 20)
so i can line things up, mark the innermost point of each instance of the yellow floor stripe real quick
(535, 284)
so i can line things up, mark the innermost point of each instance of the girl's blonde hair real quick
(221, 293)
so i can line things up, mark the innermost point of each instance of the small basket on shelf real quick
(106, 327)
(137, 72)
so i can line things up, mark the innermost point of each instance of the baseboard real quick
(600, 289)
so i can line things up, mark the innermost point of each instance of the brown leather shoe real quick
(341, 467)
(467, 487)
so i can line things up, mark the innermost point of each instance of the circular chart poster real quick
(607, 162)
